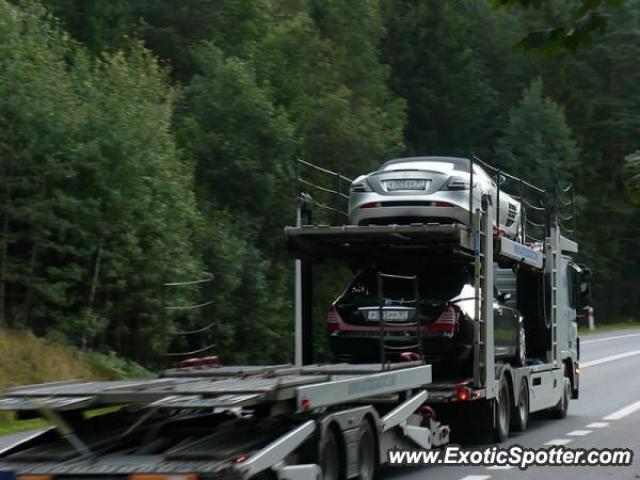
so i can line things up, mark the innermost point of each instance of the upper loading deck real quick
(369, 243)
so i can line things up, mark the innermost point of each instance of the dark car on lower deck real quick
(446, 318)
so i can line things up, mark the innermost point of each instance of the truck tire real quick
(520, 359)
(266, 475)
(330, 456)
(561, 409)
(367, 461)
(575, 391)
(502, 411)
(520, 414)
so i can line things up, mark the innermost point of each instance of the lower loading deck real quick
(221, 422)
(178, 444)
(299, 389)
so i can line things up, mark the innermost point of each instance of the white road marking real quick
(500, 467)
(559, 441)
(611, 358)
(623, 412)
(476, 477)
(598, 425)
(579, 433)
(616, 337)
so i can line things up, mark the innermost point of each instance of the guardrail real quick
(318, 188)
(534, 212)
(565, 209)
(321, 188)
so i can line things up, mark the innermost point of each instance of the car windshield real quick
(437, 284)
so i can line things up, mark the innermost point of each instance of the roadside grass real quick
(609, 327)
(27, 359)
(8, 425)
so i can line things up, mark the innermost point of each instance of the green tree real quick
(243, 146)
(100, 26)
(537, 143)
(36, 125)
(97, 205)
(600, 86)
(576, 27)
(143, 207)
(451, 104)
(322, 61)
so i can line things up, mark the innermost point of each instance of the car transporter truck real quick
(307, 421)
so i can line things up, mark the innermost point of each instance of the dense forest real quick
(145, 142)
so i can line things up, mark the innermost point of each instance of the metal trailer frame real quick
(545, 381)
(312, 401)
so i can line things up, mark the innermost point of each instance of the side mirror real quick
(499, 179)
(585, 292)
(585, 286)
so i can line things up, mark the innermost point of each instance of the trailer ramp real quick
(304, 388)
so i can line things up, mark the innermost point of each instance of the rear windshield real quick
(437, 284)
(438, 166)
(428, 163)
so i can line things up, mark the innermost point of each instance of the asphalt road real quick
(610, 366)
(610, 382)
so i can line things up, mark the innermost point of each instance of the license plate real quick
(388, 315)
(406, 184)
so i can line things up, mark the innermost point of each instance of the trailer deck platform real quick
(308, 387)
(371, 242)
(221, 422)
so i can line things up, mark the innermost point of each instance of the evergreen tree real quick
(97, 205)
(157, 138)
(451, 104)
(537, 143)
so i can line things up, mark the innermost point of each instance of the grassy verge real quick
(8, 425)
(26, 359)
(609, 327)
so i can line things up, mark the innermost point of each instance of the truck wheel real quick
(503, 411)
(561, 409)
(366, 452)
(330, 456)
(520, 415)
(266, 475)
(521, 353)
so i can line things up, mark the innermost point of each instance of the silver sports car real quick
(428, 189)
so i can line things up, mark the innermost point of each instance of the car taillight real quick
(457, 183)
(370, 205)
(333, 320)
(447, 322)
